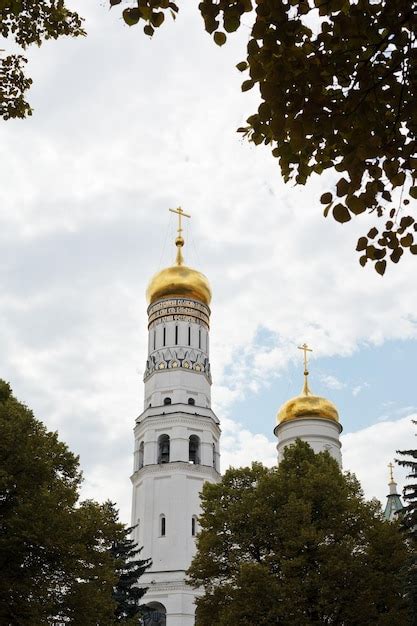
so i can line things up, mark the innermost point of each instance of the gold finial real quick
(179, 242)
(305, 349)
(391, 472)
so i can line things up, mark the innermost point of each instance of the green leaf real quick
(326, 198)
(219, 38)
(131, 16)
(242, 66)
(380, 267)
(341, 213)
(362, 243)
(157, 19)
(247, 84)
(148, 30)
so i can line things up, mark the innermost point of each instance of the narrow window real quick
(214, 455)
(164, 336)
(194, 449)
(199, 338)
(167, 400)
(191, 401)
(163, 449)
(193, 525)
(141, 451)
(189, 335)
(163, 526)
(176, 335)
(154, 339)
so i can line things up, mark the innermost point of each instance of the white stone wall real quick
(320, 434)
(177, 369)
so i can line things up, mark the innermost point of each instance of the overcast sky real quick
(125, 127)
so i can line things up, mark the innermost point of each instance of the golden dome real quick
(307, 405)
(179, 281)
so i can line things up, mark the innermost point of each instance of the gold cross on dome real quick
(180, 214)
(305, 349)
(391, 471)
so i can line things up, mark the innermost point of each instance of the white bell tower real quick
(176, 437)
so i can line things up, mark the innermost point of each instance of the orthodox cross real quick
(180, 214)
(305, 349)
(391, 471)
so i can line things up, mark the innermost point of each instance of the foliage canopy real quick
(29, 22)
(337, 81)
(61, 560)
(296, 545)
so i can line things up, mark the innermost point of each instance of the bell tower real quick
(176, 436)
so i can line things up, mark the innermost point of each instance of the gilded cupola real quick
(307, 405)
(179, 280)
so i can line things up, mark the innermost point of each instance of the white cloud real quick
(367, 453)
(331, 382)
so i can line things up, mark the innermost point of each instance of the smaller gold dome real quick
(307, 405)
(179, 281)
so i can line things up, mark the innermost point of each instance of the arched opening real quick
(162, 525)
(191, 401)
(214, 455)
(155, 614)
(167, 401)
(194, 449)
(141, 452)
(194, 525)
(163, 449)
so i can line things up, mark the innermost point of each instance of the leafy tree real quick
(409, 519)
(337, 82)
(29, 22)
(296, 545)
(60, 560)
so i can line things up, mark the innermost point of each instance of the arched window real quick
(199, 338)
(154, 339)
(189, 335)
(214, 455)
(164, 336)
(154, 614)
(141, 450)
(191, 401)
(194, 525)
(162, 525)
(163, 449)
(194, 449)
(176, 334)
(167, 401)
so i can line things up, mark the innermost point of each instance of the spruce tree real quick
(409, 519)
(127, 593)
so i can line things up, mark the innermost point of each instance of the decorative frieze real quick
(178, 309)
(174, 358)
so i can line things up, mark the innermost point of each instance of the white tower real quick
(176, 437)
(310, 418)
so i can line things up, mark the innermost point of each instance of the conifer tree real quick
(126, 593)
(409, 519)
